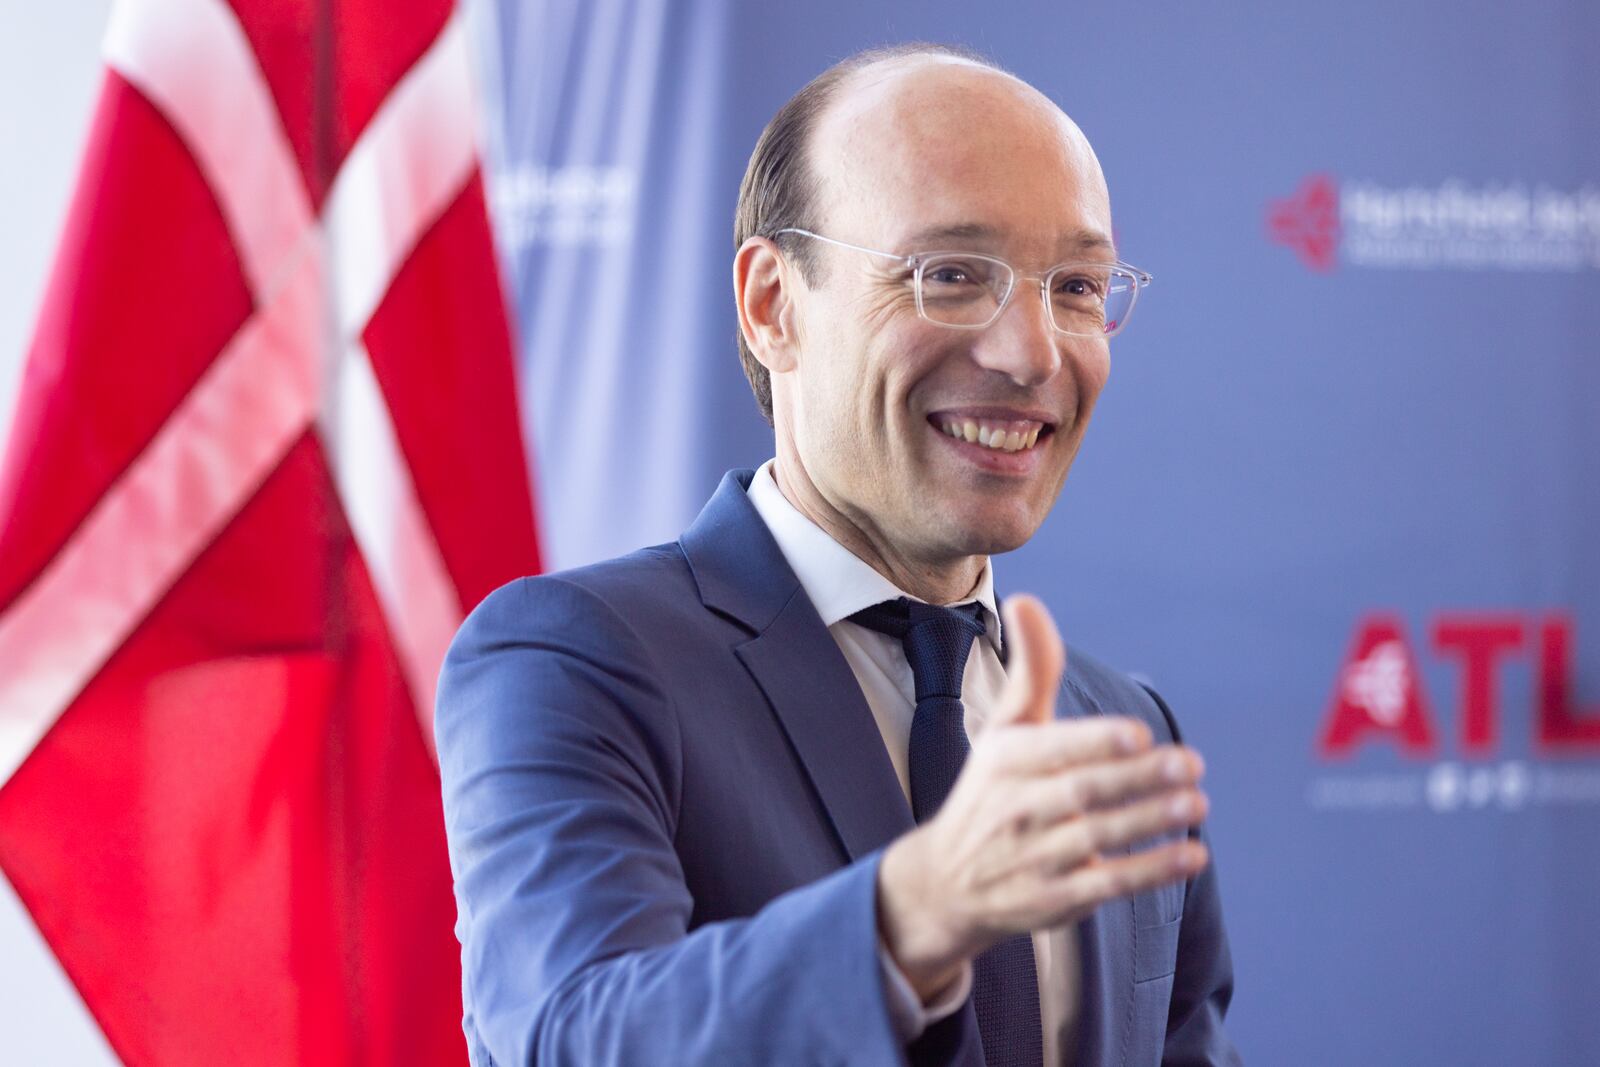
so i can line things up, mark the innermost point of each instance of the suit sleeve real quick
(1203, 983)
(561, 770)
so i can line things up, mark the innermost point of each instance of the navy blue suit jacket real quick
(666, 800)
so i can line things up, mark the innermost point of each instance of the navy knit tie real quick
(1005, 988)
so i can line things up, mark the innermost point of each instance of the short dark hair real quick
(779, 190)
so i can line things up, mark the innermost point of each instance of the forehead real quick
(933, 145)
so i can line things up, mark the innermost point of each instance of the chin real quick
(991, 536)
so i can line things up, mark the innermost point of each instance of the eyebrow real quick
(961, 231)
(1079, 241)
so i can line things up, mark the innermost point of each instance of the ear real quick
(762, 292)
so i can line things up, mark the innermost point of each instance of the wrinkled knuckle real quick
(1114, 787)
(1017, 820)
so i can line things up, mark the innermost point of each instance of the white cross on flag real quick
(265, 458)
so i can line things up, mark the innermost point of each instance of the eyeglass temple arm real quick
(843, 244)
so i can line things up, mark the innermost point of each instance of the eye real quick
(948, 274)
(1080, 285)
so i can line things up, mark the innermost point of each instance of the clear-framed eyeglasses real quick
(969, 290)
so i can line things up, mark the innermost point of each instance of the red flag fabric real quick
(266, 456)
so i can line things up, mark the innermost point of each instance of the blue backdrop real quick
(1339, 500)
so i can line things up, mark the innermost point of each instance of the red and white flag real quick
(265, 458)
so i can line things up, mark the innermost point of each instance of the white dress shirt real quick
(840, 584)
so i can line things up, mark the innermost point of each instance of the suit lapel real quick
(792, 657)
(817, 698)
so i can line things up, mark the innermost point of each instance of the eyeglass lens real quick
(1086, 299)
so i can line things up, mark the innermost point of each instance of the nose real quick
(1021, 343)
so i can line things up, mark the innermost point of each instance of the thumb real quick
(1036, 660)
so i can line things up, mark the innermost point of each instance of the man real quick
(713, 802)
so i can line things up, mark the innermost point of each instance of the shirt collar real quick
(839, 582)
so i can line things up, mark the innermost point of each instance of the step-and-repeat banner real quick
(1341, 499)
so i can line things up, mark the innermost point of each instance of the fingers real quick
(1092, 884)
(1107, 783)
(1068, 843)
(1132, 823)
(1037, 658)
(1055, 745)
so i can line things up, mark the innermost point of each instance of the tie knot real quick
(936, 640)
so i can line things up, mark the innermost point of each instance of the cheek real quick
(858, 388)
(867, 356)
(835, 420)
(1091, 369)
(1092, 394)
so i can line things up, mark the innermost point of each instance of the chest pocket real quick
(1155, 951)
(1157, 915)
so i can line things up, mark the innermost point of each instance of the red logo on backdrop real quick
(1379, 692)
(1378, 696)
(1308, 221)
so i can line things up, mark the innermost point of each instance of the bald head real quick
(933, 97)
(928, 143)
(869, 132)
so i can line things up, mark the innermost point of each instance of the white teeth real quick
(1011, 436)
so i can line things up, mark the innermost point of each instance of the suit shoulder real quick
(624, 587)
(638, 581)
(1116, 693)
(564, 645)
(656, 560)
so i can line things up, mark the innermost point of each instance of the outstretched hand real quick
(1018, 844)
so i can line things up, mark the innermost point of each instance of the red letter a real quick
(1378, 692)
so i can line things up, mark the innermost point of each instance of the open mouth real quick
(999, 435)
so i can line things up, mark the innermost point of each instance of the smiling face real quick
(882, 416)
